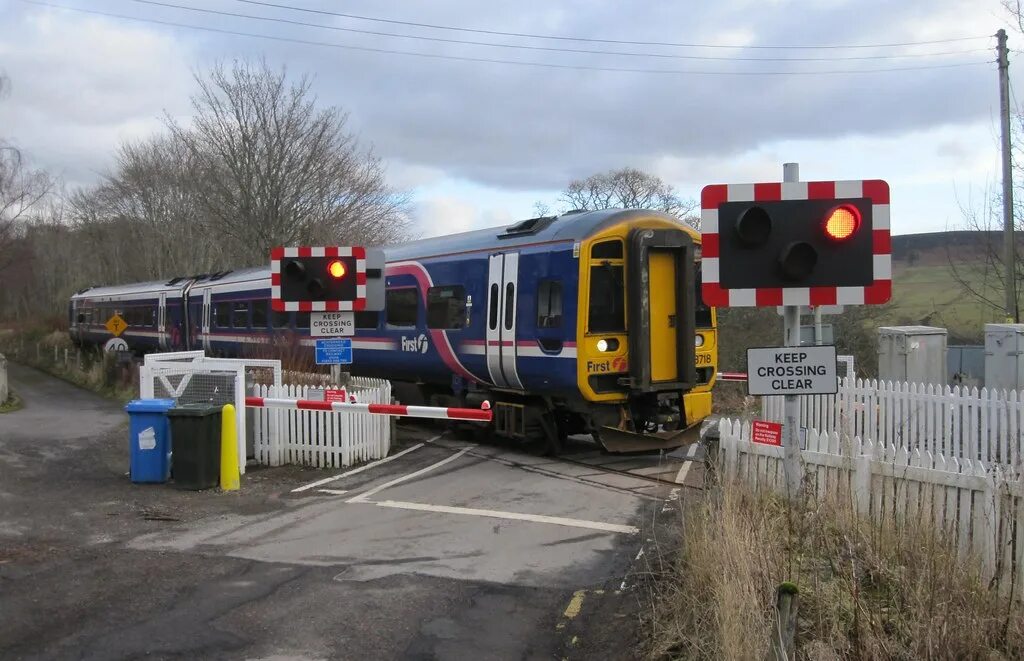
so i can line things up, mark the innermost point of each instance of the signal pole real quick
(1009, 253)
(791, 427)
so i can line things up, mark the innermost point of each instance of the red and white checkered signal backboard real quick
(280, 255)
(713, 196)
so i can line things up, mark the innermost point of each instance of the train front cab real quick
(646, 381)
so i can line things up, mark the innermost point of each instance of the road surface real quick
(449, 551)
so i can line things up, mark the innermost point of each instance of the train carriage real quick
(585, 323)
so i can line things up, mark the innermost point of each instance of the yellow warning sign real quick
(116, 325)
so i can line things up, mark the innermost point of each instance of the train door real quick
(664, 320)
(161, 321)
(502, 295)
(205, 327)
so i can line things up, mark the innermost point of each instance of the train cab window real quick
(259, 314)
(446, 307)
(401, 306)
(240, 315)
(302, 321)
(367, 319)
(607, 250)
(222, 315)
(549, 304)
(702, 313)
(492, 315)
(607, 289)
(279, 319)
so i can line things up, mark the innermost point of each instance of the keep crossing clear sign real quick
(792, 371)
(332, 324)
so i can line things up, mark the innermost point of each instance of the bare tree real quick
(628, 188)
(275, 169)
(22, 189)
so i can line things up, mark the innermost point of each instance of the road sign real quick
(792, 371)
(335, 395)
(116, 325)
(767, 433)
(796, 243)
(332, 324)
(115, 344)
(337, 351)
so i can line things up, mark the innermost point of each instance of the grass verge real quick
(867, 590)
(12, 404)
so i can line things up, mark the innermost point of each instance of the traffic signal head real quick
(795, 243)
(318, 279)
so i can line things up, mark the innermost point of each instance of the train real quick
(585, 323)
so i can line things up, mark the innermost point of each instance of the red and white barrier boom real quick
(732, 376)
(483, 413)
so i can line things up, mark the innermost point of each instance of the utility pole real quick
(1009, 253)
(791, 464)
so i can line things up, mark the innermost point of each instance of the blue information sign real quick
(335, 351)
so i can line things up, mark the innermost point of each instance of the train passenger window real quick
(279, 319)
(401, 306)
(446, 307)
(367, 319)
(549, 304)
(222, 315)
(607, 299)
(240, 315)
(510, 305)
(607, 250)
(492, 316)
(259, 314)
(301, 321)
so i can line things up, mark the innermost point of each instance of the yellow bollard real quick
(228, 449)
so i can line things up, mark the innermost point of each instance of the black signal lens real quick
(753, 227)
(797, 260)
(315, 288)
(295, 269)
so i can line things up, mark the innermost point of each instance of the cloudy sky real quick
(478, 132)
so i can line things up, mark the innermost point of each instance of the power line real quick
(459, 58)
(433, 26)
(491, 44)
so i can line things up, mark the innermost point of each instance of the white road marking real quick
(683, 472)
(639, 554)
(333, 492)
(362, 498)
(328, 480)
(515, 516)
(673, 496)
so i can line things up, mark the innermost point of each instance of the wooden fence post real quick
(863, 452)
(787, 602)
(711, 440)
(987, 526)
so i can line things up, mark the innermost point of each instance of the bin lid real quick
(149, 405)
(195, 410)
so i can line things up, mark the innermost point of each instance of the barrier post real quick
(229, 480)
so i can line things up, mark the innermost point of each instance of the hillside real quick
(933, 277)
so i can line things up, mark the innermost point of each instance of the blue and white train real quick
(585, 323)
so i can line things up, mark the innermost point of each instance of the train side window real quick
(607, 250)
(549, 304)
(401, 306)
(492, 316)
(446, 307)
(222, 315)
(302, 321)
(280, 319)
(367, 319)
(240, 315)
(259, 314)
(510, 305)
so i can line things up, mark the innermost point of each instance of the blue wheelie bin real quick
(149, 439)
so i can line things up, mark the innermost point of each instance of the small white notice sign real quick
(147, 439)
(332, 324)
(792, 371)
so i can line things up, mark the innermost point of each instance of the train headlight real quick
(699, 340)
(607, 345)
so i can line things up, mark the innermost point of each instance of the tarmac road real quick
(450, 551)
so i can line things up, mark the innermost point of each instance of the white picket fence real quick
(962, 423)
(979, 508)
(323, 439)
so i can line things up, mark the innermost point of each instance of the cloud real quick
(441, 215)
(80, 85)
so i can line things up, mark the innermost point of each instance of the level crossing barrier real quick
(482, 414)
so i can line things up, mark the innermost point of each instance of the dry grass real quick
(867, 591)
